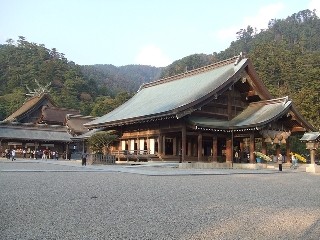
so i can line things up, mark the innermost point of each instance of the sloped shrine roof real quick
(34, 132)
(75, 123)
(28, 106)
(311, 137)
(56, 115)
(169, 96)
(256, 114)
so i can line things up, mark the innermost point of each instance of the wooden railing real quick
(133, 155)
(102, 159)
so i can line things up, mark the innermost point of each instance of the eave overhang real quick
(256, 116)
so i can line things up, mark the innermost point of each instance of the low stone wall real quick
(203, 165)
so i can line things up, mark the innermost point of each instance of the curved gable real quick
(30, 107)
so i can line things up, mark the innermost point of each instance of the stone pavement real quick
(143, 168)
(62, 200)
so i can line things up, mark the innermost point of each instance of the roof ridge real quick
(62, 109)
(234, 60)
(70, 115)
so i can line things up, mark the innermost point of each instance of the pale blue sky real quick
(122, 32)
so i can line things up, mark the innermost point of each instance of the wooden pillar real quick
(183, 143)
(163, 144)
(251, 148)
(229, 149)
(288, 150)
(67, 150)
(148, 145)
(160, 142)
(190, 147)
(215, 148)
(138, 146)
(174, 150)
(200, 147)
(194, 148)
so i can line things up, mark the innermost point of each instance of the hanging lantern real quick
(283, 141)
(276, 140)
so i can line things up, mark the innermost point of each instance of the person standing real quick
(7, 151)
(13, 154)
(294, 161)
(280, 159)
(236, 156)
(84, 158)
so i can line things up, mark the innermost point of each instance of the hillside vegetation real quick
(286, 57)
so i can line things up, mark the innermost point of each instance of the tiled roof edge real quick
(32, 125)
(235, 60)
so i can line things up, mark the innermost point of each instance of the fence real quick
(101, 159)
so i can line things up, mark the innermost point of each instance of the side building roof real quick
(56, 115)
(29, 105)
(75, 123)
(34, 132)
(257, 115)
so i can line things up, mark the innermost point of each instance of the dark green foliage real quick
(112, 79)
(106, 104)
(188, 63)
(286, 57)
(101, 141)
(22, 63)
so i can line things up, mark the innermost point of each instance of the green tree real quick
(100, 142)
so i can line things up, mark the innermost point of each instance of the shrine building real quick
(204, 115)
(40, 125)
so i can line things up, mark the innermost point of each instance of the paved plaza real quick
(62, 200)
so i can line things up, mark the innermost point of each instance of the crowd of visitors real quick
(35, 154)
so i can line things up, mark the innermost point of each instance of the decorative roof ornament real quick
(38, 91)
(239, 58)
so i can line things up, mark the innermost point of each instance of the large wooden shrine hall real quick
(204, 115)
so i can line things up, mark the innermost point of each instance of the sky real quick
(123, 32)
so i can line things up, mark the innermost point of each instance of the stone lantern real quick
(312, 143)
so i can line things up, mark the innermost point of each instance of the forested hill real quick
(95, 90)
(118, 79)
(286, 57)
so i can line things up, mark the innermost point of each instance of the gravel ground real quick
(111, 205)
